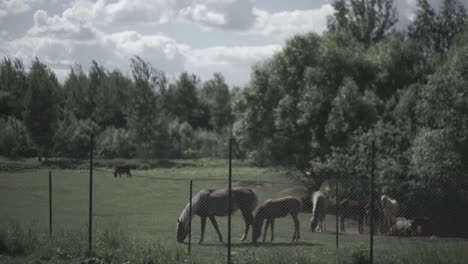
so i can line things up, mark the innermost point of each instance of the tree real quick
(79, 99)
(185, 103)
(215, 95)
(113, 98)
(369, 21)
(423, 30)
(436, 32)
(42, 107)
(145, 116)
(13, 87)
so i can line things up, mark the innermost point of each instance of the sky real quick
(197, 36)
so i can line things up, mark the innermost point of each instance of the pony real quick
(390, 209)
(275, 208)
(351, 208)
(319, 206)
(209, 203)
(119, 170)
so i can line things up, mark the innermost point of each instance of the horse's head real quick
(181, 231)
(257, 225)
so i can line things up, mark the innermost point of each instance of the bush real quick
(116, 142)
(73, 137)
(14, 140)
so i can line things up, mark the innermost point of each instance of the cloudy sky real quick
(199, 36)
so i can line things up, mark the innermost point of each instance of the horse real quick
(275, 208)
(209, 203)
(390, 209)
(351, 208)
(319, 206)
(119, 170)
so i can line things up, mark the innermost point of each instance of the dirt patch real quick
(252, 184)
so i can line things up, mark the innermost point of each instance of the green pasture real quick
(142, 211)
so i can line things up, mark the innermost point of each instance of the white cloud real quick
(406, 11)
(202, 15)
(225, 14)
(8, 7)
(285, 24)
(60, 27)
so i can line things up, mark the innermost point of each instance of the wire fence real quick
(192, 210)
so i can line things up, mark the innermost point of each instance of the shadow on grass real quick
(261, 244)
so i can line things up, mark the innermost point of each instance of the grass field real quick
(134, 219)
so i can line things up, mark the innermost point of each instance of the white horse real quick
(319, 206)
(390, 209)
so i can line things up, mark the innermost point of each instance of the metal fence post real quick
(90, 223)
(190, 219)
(337, 212)
(50, 204)
(371, 246)
(230, 201)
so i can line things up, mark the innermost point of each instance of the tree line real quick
(316, 106)
(142, 113)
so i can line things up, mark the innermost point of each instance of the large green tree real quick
(369, 21)
(42, 107)
(216, 96)
(435, 32)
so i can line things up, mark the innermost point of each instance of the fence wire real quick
(142, 201)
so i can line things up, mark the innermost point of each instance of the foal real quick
(275, 208)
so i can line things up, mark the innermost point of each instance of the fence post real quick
(190, 219)
(337, 211)
(90, 223)
(230, 201)
(50, 204)
(371, 246)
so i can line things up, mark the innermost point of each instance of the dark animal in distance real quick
(275, 208)
(352, 209)
(209, 203)
(119, 170)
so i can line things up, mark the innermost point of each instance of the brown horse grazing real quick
(319, 207)
(352, 208)
(119, 170)
(275, 208)
(211, 203)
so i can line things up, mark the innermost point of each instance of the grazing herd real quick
(210, 203)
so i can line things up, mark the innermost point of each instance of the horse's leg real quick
(272, 229)
(312, 223)
(248, 219)
(324, 222)
(215, 225)
(267, 223)
(296, 234)
(203, 224)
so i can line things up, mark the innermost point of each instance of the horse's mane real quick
(185, 216)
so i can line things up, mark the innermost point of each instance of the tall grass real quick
(114, 245)
(17, 241)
